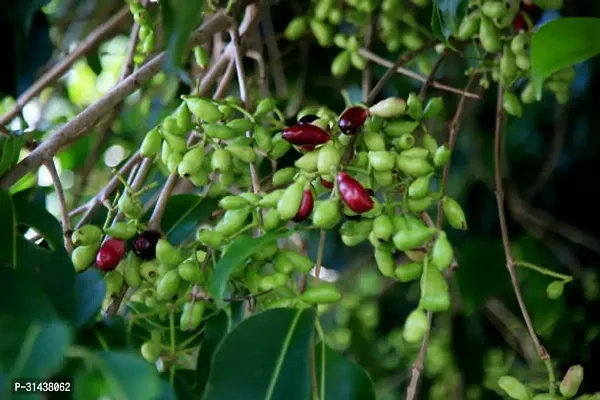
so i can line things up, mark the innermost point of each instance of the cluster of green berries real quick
(146, 34)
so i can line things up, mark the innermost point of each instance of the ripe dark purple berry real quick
(306, 206)
(326, 184)
(354, 194)
(353, 119)
(307, 119)
(305, 134)
(144, 245)
(110, 254)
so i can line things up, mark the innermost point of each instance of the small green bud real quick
(86, 235)
(571, 382)
(433, 108)
(151, 144)
(130, 206)
(295, 29)
(322, 31)
(265, 106)
(389, 108)
(555, 289)
(442, 156)
(121, 230)
(203, 109)
(340, 64)
(415, 327)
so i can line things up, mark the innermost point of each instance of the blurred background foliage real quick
(552, 195)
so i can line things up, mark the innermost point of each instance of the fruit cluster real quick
(146, 33)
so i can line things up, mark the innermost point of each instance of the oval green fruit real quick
(513, 388)
(454, 213)
(322, 293)
(151, 144)
(384, 258)
(290, 201)
(327, 214)
(415, 327)
(409, 272)
(203, 109)
(435, 294)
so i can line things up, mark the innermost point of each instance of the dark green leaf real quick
(214, 331)
(266, 357)
(9, 152)
(447, 16)
(439, 30)
(90, 290)
(110, 332)
(561, 43)
(37, 217)
(237, 253)
(34, 348)
(185, 16)
(183, 213)
(339, 378)
(22, 296)
(8, 244)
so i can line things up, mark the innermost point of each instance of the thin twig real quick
(430, 77)
(66, 221)
(92, 40)
(413, 385)
(93, 113)
(414, 75)
(225, 83)
(367, 73)
(510, 264)
(279, 79)
(262, 71)
(403, 59)
(453, 133)
(320, 253)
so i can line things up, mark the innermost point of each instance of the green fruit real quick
(166, 253)
(150, 351)
(420, 186)
(340, 64)
(382, 227)
(383, 178)
(413, 166)
(301, 263)
(400, 128)
(210, 238)
(243, 153)
(203, 109)
(523, 62)
(121, 230)
(272, 199)
(518, 43)
(409, 272)
(168, 285)
(494, 9)
(131, 271)
(151, 144)
(511, 104)
(233, 203)
(442, 253)
(282, 264)
(327, 214)
(323, 32)
(201, 56)
(218, 131)
(165, 153)
(571, 382)
(295, 28)
(199, 178)
(412, 40)
(385, 261)
(382, 160)
(418, 205)
(442, 156)
(433, 108)
(357, 60)
(513, 388)
(555, 289)
(191, 161)
(508, 64)
(265, 106)
(266, 252)
(308, 162)
(415, 327)
(220, 160)
(176, 143)
(183, 118)
(232, 221)
(374, 141)
(271, 220)
(469, 26)
(170, 126)
(290, 201)
(389, 108)
(435, 294)
(148, 43)
(174, 161)
(404, 142)
(415, 106)
(322, 293)
(284, 176)
(411, 238)
(428, 143)
(130, 206)
(489, 36)
(263, 138)
(267, 283)
(192, 314)
(454, 213)
(322, 8)
(328, 158)
(528, 94)
(241, 126)
(149, 270)
(548, 396)
(86, 235)
(280, 147)
(416, 152)
(83, 256)
(114, 282)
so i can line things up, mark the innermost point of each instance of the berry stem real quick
(543, 271)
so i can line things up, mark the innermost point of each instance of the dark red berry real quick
(326, 184)
(307, 119)
(533, 12)
(519, 23)
(144, 245)
(354, 194)
(110, 254)
(307, 148)
(306, 206)
(353, 119)
(306, 134)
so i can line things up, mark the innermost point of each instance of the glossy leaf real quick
(236, 254)
(90, 290)
(266, 357)
(8, 242)
(561, 43)
(215, 330)
(340, 378)
(447, 16)
(22, 296)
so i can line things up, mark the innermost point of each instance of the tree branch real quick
(93, 113)
(66, 221)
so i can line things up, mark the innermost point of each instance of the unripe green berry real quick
(295, 29)
(413, 166)
(86, 235)
(511, 104)
(572, 381)
(149, 270)
(555, 289)
(201, 56)
(322, 31)
(262, 138)
(435, 294)
(489, 36)
(442, 253)
(166, 253)
(232, 221)
(150, 351)
(210, 238)
(290, 201)
(218, 131)
(454, 213)
(241, 125)
(114, 282)
(328, 158)
(409, 272)
(400, 128)
(327, 214)
(168, 285)
(415, 327)
(389, 108)
(176, 143)
(174, 161)
(419, 187)
(442, 156)
(265, 106)
(203, 109)
(513, 388)
(469, 26)
(323, 293)
(83, 256)
(414, 106)
(284, 176)
(220, 160)
(270, 200)
(308, 162)
(151, 144)
(383, 227)
(382, 160)
(130, 206)
(121, 230)
(384, 259)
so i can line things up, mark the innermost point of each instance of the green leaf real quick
(340, 378)
(447, 16)
(183, 213)
(10, 148)
(90, 290)
(34, 348)
(439, 30)
(561, 43)
(8, 243)
(119, 375)
(266, 357)
(182, 17)
(35, 216)
(22, 296)
(236, 254)
(215, 330)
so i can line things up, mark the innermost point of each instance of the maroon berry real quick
(306, 206)
(307, 119)
(326, 184)
(354, 194)
(306, 134)
(144, 245)
(353, 119)
(110, 254)
(307, 148)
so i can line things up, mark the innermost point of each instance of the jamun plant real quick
(215, 288)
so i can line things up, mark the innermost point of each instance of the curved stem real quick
(543, 271)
